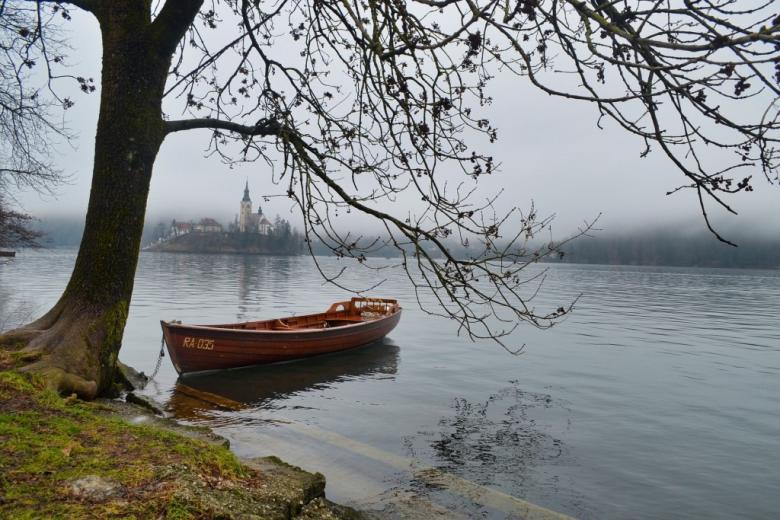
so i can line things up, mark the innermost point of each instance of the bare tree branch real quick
(172, 23)
(27, 120)
(86, 5)
(262, 128)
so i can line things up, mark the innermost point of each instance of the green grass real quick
(47, 442)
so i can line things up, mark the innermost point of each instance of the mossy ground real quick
(48, 443)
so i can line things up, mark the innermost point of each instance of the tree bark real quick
(77, 342)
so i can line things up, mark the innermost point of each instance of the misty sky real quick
(550, 149)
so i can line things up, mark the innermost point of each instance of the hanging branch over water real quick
(362, 107)
(367, 101)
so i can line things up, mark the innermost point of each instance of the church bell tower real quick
(246, 210)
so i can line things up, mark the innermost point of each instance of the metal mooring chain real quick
(159, 361)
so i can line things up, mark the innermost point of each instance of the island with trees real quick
(250, 233)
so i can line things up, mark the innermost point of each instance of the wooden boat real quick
(345, 325)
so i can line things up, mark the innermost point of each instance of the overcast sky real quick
(550, 149)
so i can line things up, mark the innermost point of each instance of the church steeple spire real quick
(246, 193)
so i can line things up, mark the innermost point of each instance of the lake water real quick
(656, 398)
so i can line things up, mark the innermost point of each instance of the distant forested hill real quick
(665, 249)
(66, 231)
(60, 231)
(654, 247)
(659, 247)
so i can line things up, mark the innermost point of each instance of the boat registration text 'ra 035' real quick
(199, 343)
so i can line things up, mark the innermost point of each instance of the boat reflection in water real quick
(197, 397)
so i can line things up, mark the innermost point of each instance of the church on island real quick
(250, 232)
(245, 222)
(249, 222)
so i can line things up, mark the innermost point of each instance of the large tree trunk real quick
(77, 342)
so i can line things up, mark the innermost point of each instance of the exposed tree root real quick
(64, 382)
(73, 349)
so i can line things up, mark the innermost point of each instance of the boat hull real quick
(198, 348)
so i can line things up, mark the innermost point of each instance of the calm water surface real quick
(657, 398)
